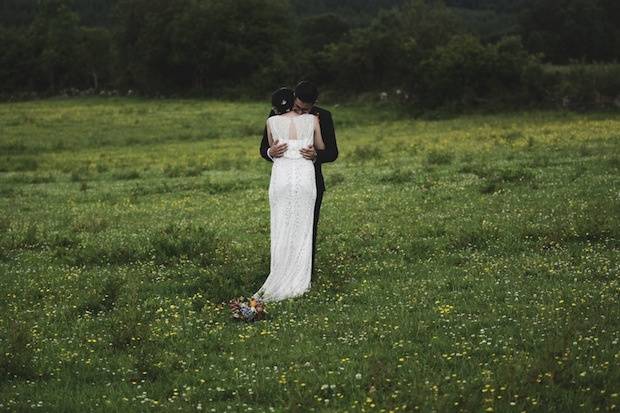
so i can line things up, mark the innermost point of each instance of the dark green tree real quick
(207, 45)
(96, 54)
(388, 52)
(466, 72)
(587, 30)
(315, 32)
(56, 40)
(17, 60)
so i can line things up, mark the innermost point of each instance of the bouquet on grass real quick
(251, 310)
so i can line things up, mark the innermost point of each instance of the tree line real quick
(433, 52)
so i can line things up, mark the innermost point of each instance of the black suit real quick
(329, 154)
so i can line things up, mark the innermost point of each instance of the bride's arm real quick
(269, 135)
(264, 142)
(318, 138)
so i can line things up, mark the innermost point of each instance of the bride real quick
(292, 195)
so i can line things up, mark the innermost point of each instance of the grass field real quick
(466, 264)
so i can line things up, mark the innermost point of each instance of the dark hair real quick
(282, 100)
(306, 92)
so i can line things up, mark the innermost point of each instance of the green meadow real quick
(465, 264)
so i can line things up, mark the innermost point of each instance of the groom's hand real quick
(308, 152)
(277, 150)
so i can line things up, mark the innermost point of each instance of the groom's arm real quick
(330, 153)
(264, 144)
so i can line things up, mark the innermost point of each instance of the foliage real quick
(466, 71)
(17, 60)
(182, 45)
(243, 49)
(583, 86)
(56, 38)
(387, 52)
(567, 30)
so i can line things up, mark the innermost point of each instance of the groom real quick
(306, 95)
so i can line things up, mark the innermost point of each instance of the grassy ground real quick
(466, 264)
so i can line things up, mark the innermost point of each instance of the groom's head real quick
(306, 95)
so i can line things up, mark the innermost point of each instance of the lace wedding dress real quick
(292, 194)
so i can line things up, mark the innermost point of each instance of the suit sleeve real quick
(330, 153)
(264, 144)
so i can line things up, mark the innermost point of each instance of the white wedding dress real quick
(292, 195)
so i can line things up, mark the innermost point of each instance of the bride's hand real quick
(309, 153)
(277, 150)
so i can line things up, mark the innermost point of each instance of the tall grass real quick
(463, 264)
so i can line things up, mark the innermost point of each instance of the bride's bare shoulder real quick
(311, 117)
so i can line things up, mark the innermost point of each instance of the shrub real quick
(365, 153)
(16, 352)
(399, 176)
(439, 157)
(336, 178)
(464, 71)
(581, 86)
(126, 174)
(103, 299)
(131, 328)
(173, 242)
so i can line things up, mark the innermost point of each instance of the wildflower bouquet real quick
(251, 310)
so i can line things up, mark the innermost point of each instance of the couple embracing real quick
(298, 138)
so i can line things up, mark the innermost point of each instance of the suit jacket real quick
(329, 154)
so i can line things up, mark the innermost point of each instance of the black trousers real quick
(317, 210)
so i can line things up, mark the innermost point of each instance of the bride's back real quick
(292, 128)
